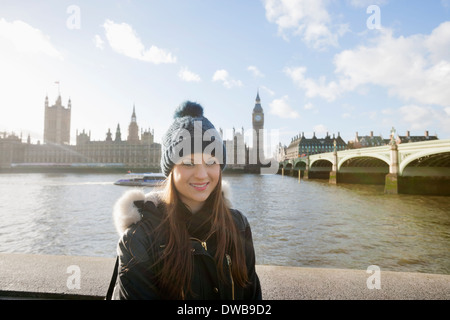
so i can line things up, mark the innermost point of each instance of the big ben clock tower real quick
(258, 131)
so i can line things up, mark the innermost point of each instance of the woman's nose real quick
(200, 171)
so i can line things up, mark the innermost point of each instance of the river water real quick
(307, 224)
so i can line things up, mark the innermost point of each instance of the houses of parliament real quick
(137, 151)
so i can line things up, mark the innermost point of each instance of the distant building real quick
(281, 152)
(239, 155)
(301, 146)
(376, 141)
(11, 149)
(57, 122)
(237, 150)
(258, 132)
(367, 141)
(137, 152)
(409, 138)
(133, 129)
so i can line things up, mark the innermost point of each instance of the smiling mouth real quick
(199, 186)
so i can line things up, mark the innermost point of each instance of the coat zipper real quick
(231, 275)
(203, 243)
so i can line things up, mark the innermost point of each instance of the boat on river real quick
(141, 180)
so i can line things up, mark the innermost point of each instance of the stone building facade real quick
(57, 122)
(138, 151)
(302, 146)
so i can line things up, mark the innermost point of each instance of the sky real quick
(319, 65)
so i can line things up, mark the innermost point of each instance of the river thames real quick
(306, 224)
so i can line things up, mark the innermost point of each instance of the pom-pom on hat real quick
(188, 109)
(190, 133)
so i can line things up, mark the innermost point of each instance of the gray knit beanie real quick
(190, 133)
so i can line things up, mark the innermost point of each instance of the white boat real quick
(142, 180)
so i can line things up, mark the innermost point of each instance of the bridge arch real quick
(361, 159)
(322, 162)
(300, 165)
(300, 162)
(440, 158)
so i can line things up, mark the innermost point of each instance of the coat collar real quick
(125, 213)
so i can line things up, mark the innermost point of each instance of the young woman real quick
(184, 241)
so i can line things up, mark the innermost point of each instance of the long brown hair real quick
(176, 260)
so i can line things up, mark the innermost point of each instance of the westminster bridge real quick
(413, 168)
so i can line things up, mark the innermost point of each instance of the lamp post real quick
(391, 182)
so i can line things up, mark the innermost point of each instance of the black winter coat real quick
(136, 274)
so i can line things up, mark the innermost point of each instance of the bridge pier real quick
(333, 177)
(391, 182)
(333, 173)
(305, 175)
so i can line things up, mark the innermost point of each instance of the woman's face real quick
(195, 177)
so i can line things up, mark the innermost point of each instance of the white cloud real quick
(438, 43)
(311, 108)
(255, 71)
(228, 82)
(99, 43)
(186, 75)
(124, 40)
(281, 108)
(329, 91)
(415, 69)
(27, 39)
(308, 106)
(308, 19)
(346, 115)
(320, 130)
(268, 90)
(416, 117)
(414, 114)
(447, 111)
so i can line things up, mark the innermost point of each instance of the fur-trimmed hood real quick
(125, 213)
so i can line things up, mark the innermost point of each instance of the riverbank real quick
(25, 276)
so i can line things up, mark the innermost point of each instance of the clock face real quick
(258, 117)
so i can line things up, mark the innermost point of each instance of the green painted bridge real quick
(418, 167)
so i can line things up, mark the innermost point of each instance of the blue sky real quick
(319, 65)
